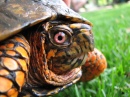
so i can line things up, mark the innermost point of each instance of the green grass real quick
(112, 36)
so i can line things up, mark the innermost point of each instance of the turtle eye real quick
(60, 37)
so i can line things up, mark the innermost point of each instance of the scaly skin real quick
(14, 60)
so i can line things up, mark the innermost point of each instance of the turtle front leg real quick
(14, 58)
(96, 63)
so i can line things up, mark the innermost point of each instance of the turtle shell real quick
(16, 15)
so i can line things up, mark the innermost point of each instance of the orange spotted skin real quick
(14, 59)
(95, 64)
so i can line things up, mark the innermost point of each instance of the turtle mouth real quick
(50, 90)
(67, 69)
(65, 74)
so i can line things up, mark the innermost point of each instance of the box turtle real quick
(45, 47)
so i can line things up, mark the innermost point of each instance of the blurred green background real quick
(112, 36)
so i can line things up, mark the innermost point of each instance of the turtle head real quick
(57, 55)
(67, 45)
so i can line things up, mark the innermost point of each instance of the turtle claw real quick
(96, 63)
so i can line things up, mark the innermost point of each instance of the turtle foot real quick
(96, 63)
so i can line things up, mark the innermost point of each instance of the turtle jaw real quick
(67, 64)
(46, 91)
(62, 78)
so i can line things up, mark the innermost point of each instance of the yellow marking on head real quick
(51, 54)
(85, 31)
(73, 26)
(61, 54)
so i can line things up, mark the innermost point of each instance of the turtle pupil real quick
(60, 38)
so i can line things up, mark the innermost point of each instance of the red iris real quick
(60, 37)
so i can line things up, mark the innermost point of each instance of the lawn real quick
(112, 36)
